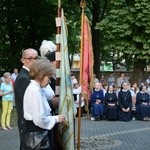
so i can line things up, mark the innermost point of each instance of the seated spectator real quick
(77, 90)
(134, 90)
(148, 81)
(111, 104)
(122, 79)
(142, 104)
(103, 80)
(73, 79)
(97, 98)
(148, 85)
(95, 79)
(102, 87)
(125, 103)
(111, 80)
(6, 91)
(148, 89)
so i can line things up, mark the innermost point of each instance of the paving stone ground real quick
(134, 135)
(97, 135)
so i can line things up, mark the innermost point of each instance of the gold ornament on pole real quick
(83, 4)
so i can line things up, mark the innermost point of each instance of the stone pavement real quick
(117, 135)
(98, 135)
(9, 140)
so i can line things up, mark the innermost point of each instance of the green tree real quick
(73, 18)
(126, 30)
(24, 24)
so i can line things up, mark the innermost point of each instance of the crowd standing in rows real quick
(117, 99)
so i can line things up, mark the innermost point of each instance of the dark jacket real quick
(124, 99)
(20, 86)
(110, 98)
(97, 95)
(142, 97)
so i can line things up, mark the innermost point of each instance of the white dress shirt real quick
(26, 68)
(133, 93)
(48, 92)
(36, 107)
(78, 91)
(14, 76)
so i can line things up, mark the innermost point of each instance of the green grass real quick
(13, 115)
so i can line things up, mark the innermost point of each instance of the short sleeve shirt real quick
(6, 88)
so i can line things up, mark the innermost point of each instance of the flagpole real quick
(58, 59)
(58, 47)
(82, 5)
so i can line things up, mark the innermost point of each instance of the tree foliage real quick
(120, 29)
(27, 23)
(126, 30)
(24, 24)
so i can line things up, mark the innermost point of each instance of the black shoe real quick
(96, 118)
(99, 119)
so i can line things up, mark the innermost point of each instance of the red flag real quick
(86, 68)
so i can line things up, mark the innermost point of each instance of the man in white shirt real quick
(21, 83)
(15, 74)
(77, 90)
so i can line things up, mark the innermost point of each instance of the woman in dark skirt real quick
(125, 103)
(97, 98)
(142, 104)
(110, 104)
(37, 112)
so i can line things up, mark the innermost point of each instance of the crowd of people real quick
(111, 99)
(120, 100)
(117, 99)
(36, 103)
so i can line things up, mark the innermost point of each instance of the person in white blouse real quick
(77, 91)
(48, 92)
(134, 90)
(35, 105)
(14, 74)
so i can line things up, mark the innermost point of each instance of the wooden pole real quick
(82, 5)
(57, 143)
(58, 47)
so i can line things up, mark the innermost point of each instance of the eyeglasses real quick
(31, 58)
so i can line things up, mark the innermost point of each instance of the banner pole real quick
(57, 142)
(82, 5)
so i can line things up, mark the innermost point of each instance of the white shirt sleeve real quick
(77, 91)
(48, 92)
(36, 108)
